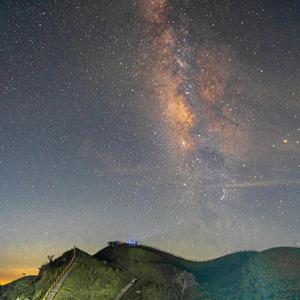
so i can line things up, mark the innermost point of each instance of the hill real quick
(158, 276)
(270, 274)
(91, 279)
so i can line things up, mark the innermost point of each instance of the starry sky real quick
(173, 122)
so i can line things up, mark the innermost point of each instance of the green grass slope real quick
(93, 280)
(157, 276)
(34, 287)
(89, 280)
(249, 275)
(23, 287)
(271, 274)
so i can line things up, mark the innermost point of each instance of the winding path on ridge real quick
(54, 290)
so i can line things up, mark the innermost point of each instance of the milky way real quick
(187, 86)
(166, 78)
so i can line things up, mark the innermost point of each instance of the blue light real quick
(132, 242)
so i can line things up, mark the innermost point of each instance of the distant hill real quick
(270, 274)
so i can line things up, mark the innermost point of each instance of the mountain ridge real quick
(269, 274)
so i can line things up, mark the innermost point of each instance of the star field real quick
(175, 123)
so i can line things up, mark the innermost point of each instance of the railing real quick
(62, 273)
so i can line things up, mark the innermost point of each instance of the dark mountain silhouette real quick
(142, 273)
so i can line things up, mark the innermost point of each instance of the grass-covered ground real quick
(22, 287)
(92, 279)
(249, 275)
(34, 287)
(271, 274)
(157, 276)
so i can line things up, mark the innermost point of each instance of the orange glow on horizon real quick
(8, 275)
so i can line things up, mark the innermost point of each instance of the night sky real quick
(175, 123)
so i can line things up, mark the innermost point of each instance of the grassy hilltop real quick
(91, 279)
(270, 274)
